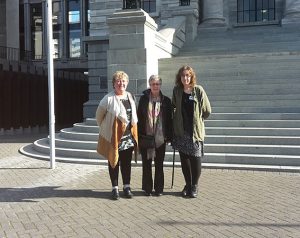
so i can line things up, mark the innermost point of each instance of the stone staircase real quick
(252, 78)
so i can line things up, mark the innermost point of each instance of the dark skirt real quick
(186, 145)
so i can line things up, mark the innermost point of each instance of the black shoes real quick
(115, 194)
(185, 192)
(194, 191)
(158, 194)
(127, 192)
(190, 192)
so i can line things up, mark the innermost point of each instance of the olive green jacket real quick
(202, 110)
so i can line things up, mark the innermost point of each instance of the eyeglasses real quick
(155, 84)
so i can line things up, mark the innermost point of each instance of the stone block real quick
(130, 56)
(132, 41)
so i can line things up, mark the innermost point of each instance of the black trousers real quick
(125, 157)
(147, 181)
(191, 168)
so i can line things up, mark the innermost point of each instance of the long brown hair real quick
(192, 74)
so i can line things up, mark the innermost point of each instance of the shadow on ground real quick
(33, 194)
(21, 138)
(231, 224)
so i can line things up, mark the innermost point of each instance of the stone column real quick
(132, 47)
(27, 26)
(292, 12)
(213, 14)
(12, 23)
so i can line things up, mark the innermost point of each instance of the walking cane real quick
(173, 168)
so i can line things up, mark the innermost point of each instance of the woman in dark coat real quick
(154, 118)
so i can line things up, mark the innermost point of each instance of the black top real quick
(187, 112)
(127, 140)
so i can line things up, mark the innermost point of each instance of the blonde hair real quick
(192, 74)
(119, 75)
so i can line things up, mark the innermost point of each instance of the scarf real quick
(154, 125)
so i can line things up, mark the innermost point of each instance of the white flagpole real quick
(51, 84)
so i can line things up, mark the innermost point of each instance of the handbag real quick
(146, 141)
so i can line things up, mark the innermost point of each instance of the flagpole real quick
(51, 84)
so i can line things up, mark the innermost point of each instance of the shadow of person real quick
(36, 193)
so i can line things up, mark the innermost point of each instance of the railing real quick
(15, 54)
(24, 99)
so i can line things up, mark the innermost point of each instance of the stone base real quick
(89, 108)
(213, 23)
(291, 22)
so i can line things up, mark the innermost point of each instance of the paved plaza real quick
(73, 200)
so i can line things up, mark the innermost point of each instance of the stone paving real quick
(73, 200)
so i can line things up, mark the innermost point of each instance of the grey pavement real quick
(73, 201)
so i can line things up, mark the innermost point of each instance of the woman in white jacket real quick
(117, 119)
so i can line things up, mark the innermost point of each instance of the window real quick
(87, 17)
(255, 10)
(184, 2)
(21, 30)
(57, 29)
(36, 30)
(149, 6)
(131, 4)
(74, 28)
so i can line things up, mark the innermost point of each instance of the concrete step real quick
(257, 103)
(213, 81)
(70, 133)
(76, 144)
(254, 116)
(249, 97)
(210, 160)
(89, 156)
(253, 149)
(83, 127)
(253, 131)
(231, 109)
(252, 159)
(253, 123)
(212, 48)
(260, 140)
(42, 146)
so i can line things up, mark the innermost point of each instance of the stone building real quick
(223, 40)
(86, 32)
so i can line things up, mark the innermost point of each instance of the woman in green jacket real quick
(191, 107)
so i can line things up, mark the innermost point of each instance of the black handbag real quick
(146, 141)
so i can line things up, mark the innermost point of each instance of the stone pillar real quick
(27, 26)
(213, 14)
(291, 13)
(132, 47)
(12, 24)
(97, 64)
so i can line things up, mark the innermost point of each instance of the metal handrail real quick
(15, 54)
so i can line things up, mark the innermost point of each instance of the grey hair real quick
(154, 77)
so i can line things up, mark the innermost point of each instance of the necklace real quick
(187, 90)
